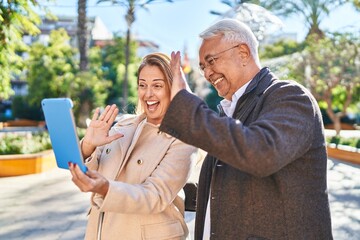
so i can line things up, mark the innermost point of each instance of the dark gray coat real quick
(267, 170)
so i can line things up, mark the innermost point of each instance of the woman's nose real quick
(149, 92)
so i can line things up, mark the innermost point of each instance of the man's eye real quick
(211, 61)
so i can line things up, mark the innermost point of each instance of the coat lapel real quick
(132, 133)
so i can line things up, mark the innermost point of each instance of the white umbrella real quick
(259, 19)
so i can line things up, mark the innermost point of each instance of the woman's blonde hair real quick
(160, 60)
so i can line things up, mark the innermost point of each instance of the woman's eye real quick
(157, 86)
(142, 86)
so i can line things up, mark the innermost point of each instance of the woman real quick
(135, 171)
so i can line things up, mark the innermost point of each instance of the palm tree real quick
(82, 35)
(131, 6)
(356, 4)
(312, 11)
(260, 20)
(233, 4)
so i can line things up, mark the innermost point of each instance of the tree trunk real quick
(84, 111)
(126, 73)
(130, 19)
(82, 35)
(83, 65)
(316, 32)
(334, 117)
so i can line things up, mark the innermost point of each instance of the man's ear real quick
(244, 52)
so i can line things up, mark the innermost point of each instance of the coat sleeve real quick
(92, 162)
(281, 129)
(158, 191)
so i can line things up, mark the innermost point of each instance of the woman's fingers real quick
(111, 115)
(100, 183)
(114, 115)
(91, 181)
(115, 136)
(109, 112)
(79, 178)
(103, 114)
(96, 114)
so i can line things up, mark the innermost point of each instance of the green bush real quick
(12, 143)
(357, 145)
(353, 142)
(335, 140)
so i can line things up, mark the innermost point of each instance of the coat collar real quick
(257, 86)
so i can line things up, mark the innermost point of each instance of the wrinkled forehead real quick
(210, 47)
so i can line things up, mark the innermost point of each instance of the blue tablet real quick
(62, 130)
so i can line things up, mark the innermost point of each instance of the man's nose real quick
(208, 72)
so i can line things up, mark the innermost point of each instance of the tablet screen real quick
(62, 130)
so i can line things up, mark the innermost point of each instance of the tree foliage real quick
(92, 90)
(131, 7)
(16, 18)
(281, 48)
(113, 60)
(311, 12)
(356, 4)
(51, 69)
(330, 68)
(53, 72)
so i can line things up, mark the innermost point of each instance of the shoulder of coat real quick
(129, 119)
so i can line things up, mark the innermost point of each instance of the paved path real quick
(49, 206)
(42, 206)
(344, 197)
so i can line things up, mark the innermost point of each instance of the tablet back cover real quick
(61, 126)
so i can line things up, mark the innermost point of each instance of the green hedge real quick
(353, 142)
(13, 143)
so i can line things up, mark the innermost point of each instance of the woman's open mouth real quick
(152, 105)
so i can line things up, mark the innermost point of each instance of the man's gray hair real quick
(234, 31)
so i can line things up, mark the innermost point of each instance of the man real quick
(265, 173)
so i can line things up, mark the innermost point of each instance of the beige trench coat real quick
(147, 203)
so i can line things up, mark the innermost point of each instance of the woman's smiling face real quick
(153, 93)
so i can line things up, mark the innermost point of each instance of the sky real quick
(176, 26)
